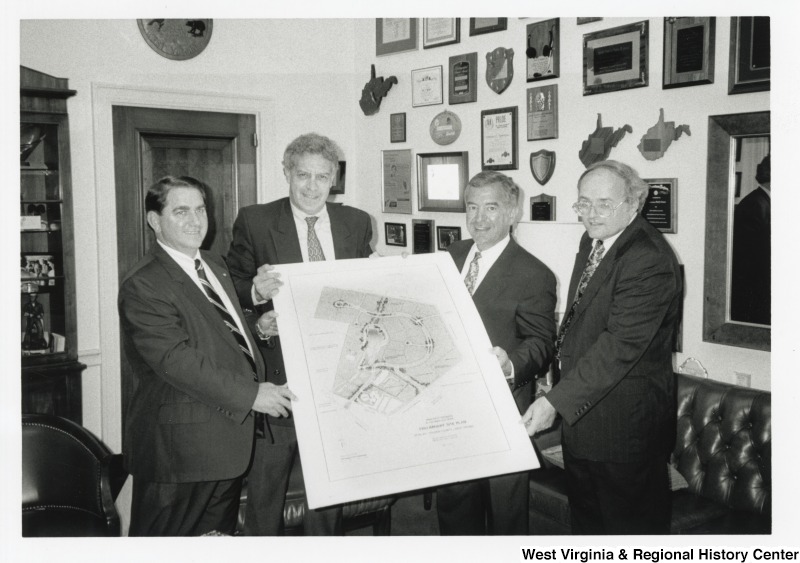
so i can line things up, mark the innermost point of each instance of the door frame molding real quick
(103, 97)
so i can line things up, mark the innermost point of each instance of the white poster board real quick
(397, 387)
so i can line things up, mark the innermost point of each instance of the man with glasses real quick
(300, 228)
(616, 393)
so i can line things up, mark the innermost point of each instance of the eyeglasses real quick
(602, 209)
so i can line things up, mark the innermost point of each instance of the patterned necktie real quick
(226, 316)
(472, 274)
(315, 253)
(591, 265)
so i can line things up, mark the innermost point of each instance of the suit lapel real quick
(458, 251)
(492, 281)
(340, 231)
(285, 237)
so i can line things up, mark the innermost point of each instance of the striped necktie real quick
(588, 271)
(315, 253)
(226, 316)
(472, 274)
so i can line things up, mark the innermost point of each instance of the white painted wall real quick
(556, 243)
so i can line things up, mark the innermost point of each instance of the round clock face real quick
(176, 39)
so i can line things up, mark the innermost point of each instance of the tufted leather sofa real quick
(722, 483)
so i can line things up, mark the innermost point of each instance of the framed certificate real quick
(543, 50)
(426, 86)
(749, 56)
(395, 35)
(441, 180)
(661, 204)
(543, 112)
(479, 26)
(499, 139)
(396, 181)
(463, 79)
(615, 59)
(688, 51)
(437, 32)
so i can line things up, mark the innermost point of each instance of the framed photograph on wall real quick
(543, 50)
(395, 35)
(426, 86)
(338, 182)
(479, 26)
(616, 59)
(688, 51)
(749, 65)
(437, 32)
(396, 181)
(660, 207)
(395, 234)
(441, 180)
(445, 236)
(397, 128)
(499, 139)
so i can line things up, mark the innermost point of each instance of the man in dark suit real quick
(616, 394)
(515, 295)
(189, 429)
(300, 228)
(751, 266)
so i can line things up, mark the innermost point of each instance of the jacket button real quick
(276, 372)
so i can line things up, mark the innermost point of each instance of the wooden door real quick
(216, 148)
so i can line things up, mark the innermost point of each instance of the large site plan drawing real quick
(393, 351)
(397, 386)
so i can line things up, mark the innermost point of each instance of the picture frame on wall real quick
(441, 180)
(688, 51)
(396, 181)
(437, 32)
(616, 59)
(660, 207)
(749, 61)
(542, 106)
(463, 82)
(426, 86)
(499, 150)
(479, 26)
(397, 128)
(543, 50)
(445, 236)
(395, 35)
(395, 234)
(338, 182)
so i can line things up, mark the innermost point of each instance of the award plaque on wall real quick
(463, 79)
(543, 207)
(445, 128)
(749, 55)
(479, 26)
(661, 204)
(543, 50)
(688, 51)
(422, 233)
(397, 128)
(543, 112)
(615, 59)
(499, 139)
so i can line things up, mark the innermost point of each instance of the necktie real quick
(472, 274)
(215, 300)
(591, 265)
(315, 253)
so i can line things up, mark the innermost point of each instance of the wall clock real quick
(176, 39)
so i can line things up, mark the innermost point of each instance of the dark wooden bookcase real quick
(51, 373)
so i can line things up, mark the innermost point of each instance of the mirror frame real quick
(717, 328)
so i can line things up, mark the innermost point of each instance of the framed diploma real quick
(688, 51)
(616, 59)
(397, 128)
(543, 112)
(749, 55)
(437, 32)
(395, 35)
(499, 139)
(543, 50)
(426, 86)
(395, 234)
(479, 26)
(396, 184)
(661, 204)
(441, 181)
(463, 79)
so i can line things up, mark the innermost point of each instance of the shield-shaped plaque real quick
(543, 164)
(499, 69)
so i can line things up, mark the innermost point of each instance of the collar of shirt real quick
(607, 243)
(487, 259)
(322, 228)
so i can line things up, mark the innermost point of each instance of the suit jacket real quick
(516, 301)
(616, 393)
(266, 234)
(751, 268)
(188, 416)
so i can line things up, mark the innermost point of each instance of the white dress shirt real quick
(322, 227)
(486, 261)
